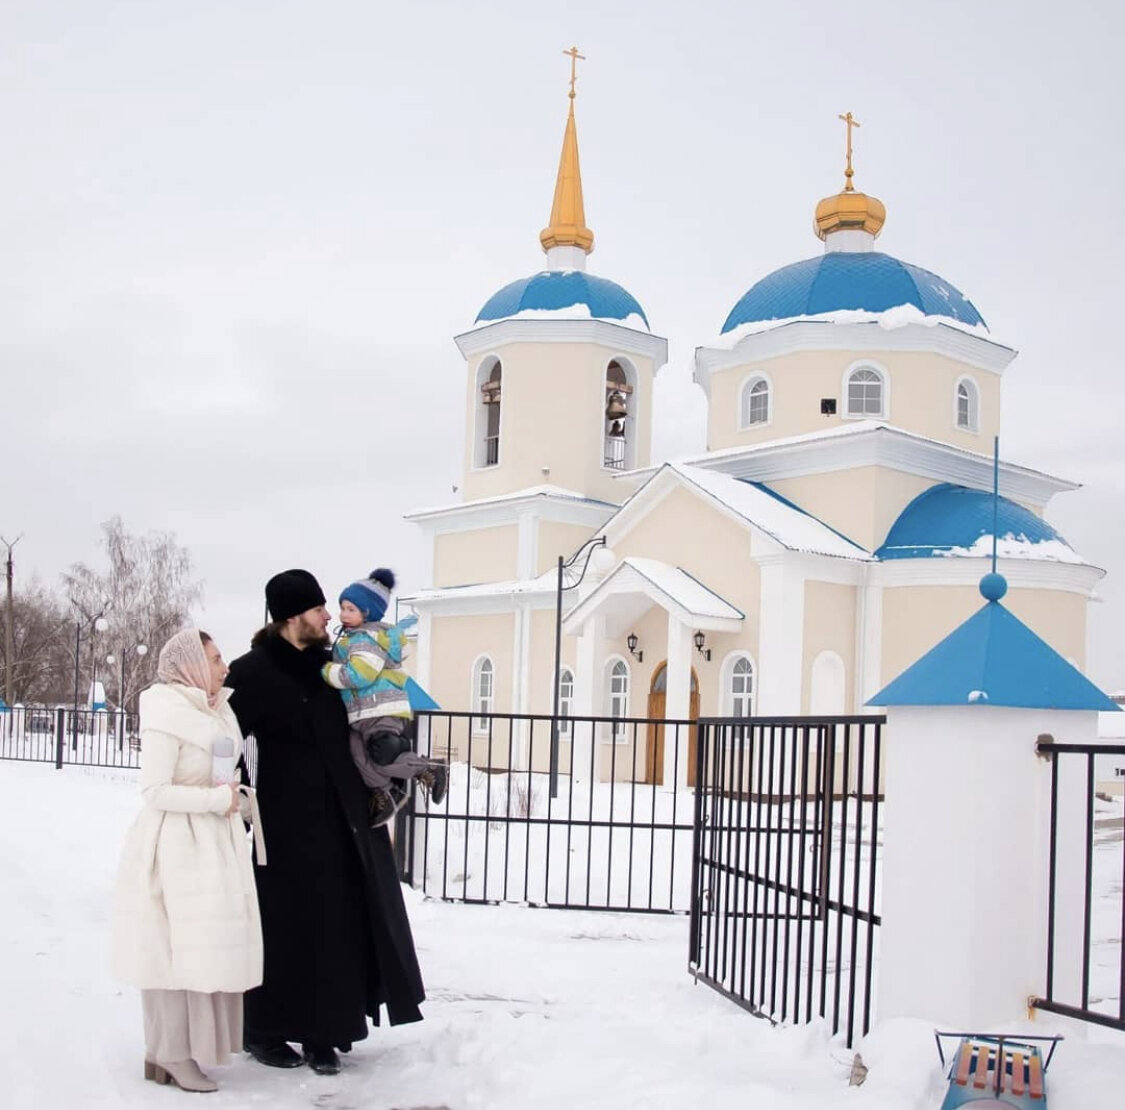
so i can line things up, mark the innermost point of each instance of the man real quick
(336, 936)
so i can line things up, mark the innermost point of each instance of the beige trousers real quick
(188, 1025)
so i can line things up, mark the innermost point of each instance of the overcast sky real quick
(237, 238)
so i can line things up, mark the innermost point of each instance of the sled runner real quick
(996, 1072)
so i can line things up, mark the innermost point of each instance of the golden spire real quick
(567, 226)
(849, 210)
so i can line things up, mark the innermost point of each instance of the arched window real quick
(617, 697)
(620, 424)
(487, 451)
(484, 694)
(740, 688)
(566, 700)
(755, 406)
(968, 405)
(865, 392)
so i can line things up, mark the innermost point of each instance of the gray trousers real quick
(379, 776)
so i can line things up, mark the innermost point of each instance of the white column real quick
(869, 634)
(965, 865)
(677, 703)
(781, 637)
(589, 651)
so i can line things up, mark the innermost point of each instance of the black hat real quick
(292, 592)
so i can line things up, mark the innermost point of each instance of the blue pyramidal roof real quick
(994, 659)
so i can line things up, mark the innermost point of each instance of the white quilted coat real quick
(186, 910)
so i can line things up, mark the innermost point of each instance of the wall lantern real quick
(631, 644)
(700, 639)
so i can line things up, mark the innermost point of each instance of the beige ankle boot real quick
(185, 1074)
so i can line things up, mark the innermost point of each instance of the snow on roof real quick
(779, 518)
(681, 587)
(555, 492)
(545, 583)
(890, 319)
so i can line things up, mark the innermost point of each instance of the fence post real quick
(60, 737)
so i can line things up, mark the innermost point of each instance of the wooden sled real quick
(996, 1071)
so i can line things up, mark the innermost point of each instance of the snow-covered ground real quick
(527, 1007)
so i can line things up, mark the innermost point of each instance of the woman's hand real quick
(234, 796)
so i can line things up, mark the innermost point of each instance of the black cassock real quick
(337, 939)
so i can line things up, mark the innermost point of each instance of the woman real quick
(186, 928)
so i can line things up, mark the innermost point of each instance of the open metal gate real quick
(785, 865)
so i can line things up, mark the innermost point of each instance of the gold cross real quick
(574, 56)
(851, 122)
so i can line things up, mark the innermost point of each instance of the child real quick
(366, 668)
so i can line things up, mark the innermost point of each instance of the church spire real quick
(567, 227)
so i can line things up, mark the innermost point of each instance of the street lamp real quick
(142, 651)
(96, 623)
(589, 547)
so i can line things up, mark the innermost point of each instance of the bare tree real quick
(42, 649)
(145, 594)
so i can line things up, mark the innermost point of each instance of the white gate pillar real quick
(589, 648)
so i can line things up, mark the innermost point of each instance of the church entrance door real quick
(654, 748)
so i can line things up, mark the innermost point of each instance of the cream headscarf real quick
(182, 660)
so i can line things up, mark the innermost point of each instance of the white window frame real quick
(632, 403)
(483, 704)
(616, 732)
(885, 391)
(744, 423)
(972, 390)
(566, 701)
(480, 410)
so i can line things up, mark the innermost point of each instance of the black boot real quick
(435, 779)
(321, 1058)
(274, 1054)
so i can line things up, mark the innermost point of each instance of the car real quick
(39, 720)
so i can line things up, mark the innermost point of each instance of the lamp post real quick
(589, 547)
(96, 623)
(142, 651)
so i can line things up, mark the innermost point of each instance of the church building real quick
(834, 530)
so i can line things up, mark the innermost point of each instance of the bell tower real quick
(560, 365)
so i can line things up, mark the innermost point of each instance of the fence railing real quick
(785, 866)
(1085, 974)
(101, 738)
(609, 837)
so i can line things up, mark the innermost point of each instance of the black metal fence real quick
(609, 836)
(61, 736)
(785, 866)
(1085, 903)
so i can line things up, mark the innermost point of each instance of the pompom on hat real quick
(292, 592)
(371, 595)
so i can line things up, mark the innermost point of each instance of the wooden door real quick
(654, 748)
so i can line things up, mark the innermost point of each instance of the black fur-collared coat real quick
(336, 935)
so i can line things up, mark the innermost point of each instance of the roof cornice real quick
(882, 445)
(499, 333)
(491, 511)
(827, 335)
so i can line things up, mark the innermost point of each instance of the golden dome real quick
(849, 211)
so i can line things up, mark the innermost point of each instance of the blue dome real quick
(947, 516)
(559, 289)
(836, 280)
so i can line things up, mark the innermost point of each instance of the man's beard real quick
(310, 634)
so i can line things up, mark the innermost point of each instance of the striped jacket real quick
(366, 668)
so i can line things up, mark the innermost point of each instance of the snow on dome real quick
(866, 281)
(954, 521)
(570, 294)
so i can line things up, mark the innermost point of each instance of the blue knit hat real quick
(372, 594)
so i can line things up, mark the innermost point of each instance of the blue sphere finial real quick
(993, 586)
